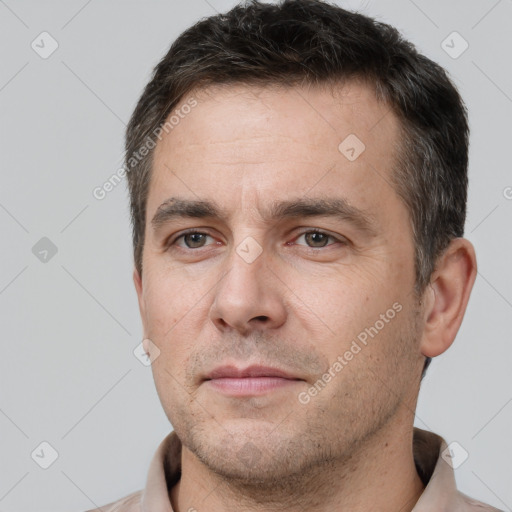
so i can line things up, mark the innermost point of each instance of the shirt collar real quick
(440, 493)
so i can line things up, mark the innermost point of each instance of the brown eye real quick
(316, 239)
(194, 240)
(191, 240)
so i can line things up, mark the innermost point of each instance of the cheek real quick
(379, 359)
(358, 319)
(342, 301)
(176, 310)
(168, 298)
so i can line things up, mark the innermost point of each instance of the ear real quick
(447, 296)
(137, 281)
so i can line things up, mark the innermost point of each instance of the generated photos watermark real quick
(100, 192)
(343, 360)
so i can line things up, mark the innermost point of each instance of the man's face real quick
(255, 287)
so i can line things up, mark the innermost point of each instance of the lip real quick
(250, 381)
(230, 371)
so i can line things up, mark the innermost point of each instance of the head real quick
(260, 123)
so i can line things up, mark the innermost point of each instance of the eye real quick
(192, 240)
(317, 238)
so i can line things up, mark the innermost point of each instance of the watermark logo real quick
(351, 147)
(454, 454)
(249, 249)
(454, 45)
(44, 45)
(249, 454)
(44, 250)
(146, 352)
(44, 455)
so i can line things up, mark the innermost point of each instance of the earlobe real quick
(447, 296)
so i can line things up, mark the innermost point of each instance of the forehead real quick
(248, 143)
(225, 112)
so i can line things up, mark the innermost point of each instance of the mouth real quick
(251, 381)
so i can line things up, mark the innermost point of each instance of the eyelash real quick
(196, 232)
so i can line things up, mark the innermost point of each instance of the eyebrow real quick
(338, 208)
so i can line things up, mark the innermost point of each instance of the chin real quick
(249, 452)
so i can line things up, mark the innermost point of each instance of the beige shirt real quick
(440, 494)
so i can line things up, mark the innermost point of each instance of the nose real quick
(248, 297)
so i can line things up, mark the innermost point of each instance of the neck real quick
(380, 476)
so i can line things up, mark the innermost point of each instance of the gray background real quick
(70, 324)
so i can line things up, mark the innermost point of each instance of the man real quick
(298, 179)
